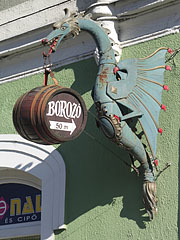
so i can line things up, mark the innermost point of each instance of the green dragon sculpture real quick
(124, 93)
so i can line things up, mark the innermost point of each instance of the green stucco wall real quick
(103, 195)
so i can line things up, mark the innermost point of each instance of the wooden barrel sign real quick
(50, 115)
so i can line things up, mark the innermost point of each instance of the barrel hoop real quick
(32, 111)
(36, 98)
(41, 109)
(15, 109)
(32, 115)
(18, 118)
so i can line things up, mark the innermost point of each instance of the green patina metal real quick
(124, 93)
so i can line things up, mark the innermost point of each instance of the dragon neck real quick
(102, 41)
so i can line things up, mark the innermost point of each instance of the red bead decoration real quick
(163, 107)
(115, 70)
(117, 118)
(168, 68)
(160, 131)
(156, 162)
(170, 51)
(165, 87)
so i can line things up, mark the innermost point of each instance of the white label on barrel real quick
(65, 115)
(63, 126)
(64, 109)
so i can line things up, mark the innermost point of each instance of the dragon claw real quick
(149, 198)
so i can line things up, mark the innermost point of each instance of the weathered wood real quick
(50, 115)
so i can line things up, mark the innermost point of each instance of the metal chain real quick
(47, 67)
(47, 61)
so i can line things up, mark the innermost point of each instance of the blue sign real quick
(19, 203)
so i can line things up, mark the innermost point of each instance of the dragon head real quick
(61, 29)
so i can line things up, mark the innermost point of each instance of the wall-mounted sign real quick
(50, 115)
(19, 203)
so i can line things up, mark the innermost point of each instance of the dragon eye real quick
(63, 28)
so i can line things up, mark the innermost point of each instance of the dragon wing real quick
(145, 95)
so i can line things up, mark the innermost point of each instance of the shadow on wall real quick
(96, 173)
(179, 191)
